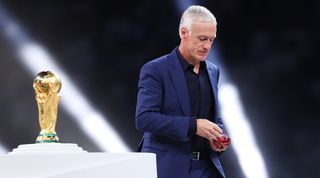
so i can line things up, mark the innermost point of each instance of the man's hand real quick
(211, 131)
(208, 130)
(222, 144)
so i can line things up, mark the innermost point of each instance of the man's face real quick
(200, 39)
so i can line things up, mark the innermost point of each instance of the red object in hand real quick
(217, 144)
(222, 143)
(225, 140)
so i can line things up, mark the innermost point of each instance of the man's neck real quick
(191, 61)
(196, 68)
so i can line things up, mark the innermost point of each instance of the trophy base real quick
(47, 148)
(47, 138)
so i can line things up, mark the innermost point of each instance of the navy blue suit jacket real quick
(163, 113)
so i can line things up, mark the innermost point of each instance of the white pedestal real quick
(70, 161)
(47, 148)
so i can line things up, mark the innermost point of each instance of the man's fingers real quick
(226, 144)
(212, 137)
(216, 134)
(217, 128)
(216, 146)
(208, 130)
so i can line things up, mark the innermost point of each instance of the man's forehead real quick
(207, 31)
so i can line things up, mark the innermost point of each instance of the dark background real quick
(269, 48)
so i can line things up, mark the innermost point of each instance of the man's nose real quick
(207, 44)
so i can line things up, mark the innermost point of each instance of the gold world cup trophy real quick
(47, 86)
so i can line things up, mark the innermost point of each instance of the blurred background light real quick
(243, 141)
(237, 123)
(3, 150)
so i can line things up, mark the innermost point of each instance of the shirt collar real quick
(186, 65)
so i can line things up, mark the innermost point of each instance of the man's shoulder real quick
(162, 61)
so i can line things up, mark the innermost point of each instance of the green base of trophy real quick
(47, 138)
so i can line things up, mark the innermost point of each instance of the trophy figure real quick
(47, 86)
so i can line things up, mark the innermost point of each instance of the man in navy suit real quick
(177, 105)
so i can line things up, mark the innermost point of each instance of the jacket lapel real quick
(179, 83)
(213, 73)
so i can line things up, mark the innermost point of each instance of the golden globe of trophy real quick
(47, 86)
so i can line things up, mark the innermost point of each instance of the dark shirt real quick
(201, 99)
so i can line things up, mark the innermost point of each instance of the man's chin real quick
(202, 58)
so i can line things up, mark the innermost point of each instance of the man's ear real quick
(183, 33)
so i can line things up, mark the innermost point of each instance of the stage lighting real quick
(240, 131)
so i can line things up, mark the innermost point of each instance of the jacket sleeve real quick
(149, 116)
